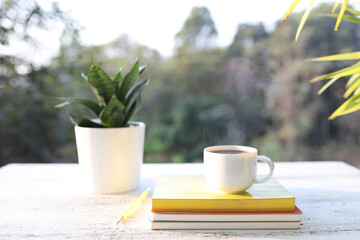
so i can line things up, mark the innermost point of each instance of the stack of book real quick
(187, 202)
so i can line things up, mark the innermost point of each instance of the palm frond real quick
(338, 57)
(328, 84)
(303, 19)
(341, 14)
(352, 11)
(349, 106)
(336, 4)
(352, 88)
(346, 17)
(340, 73)
(289, 11)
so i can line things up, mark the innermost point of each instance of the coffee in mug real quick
(232, 168)
(228, 151)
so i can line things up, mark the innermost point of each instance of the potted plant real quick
(110, 148)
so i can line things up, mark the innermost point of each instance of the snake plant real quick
(118, 98)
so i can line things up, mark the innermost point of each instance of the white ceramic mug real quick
(232, 169)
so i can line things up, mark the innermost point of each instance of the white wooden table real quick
(46, 201)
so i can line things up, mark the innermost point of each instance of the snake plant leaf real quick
(116, 119)
(352, 79)
(346, 17)
(138, 104)
(88, 123)
(112, 94)
(107, 114)
(83, 122)
(338, 57)
(129, 80)
(341, 14)
(118, 79)
(328, 84)
(90, 104)
(303, 19)
(84, 77)
(101, 84)
(142, 68)
(353, 87)
(134, 92)
(132, 109)
(352, 11)
(349, 106)
(289, 11)
(336, 4)
(340, 73)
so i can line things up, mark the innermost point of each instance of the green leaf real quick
(101, 84)
(132, 110)
(303, 19)
(83, 122)
(84, 77)
(349, 106)
(134, 92)
(138, 104)
(336, 4)
(112, 113)
(118, 79)
(88, 123)
(90, 104)
(357, 90)
(142, 69)
(340, 73)
(116, 119)
(289, 11)
(346, 17)
(129, 80)
(328, 84)
(353, 87)
(352, 11)
(352, 79)
(341, 13)
(338, 57)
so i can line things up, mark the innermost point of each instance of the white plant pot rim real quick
(132, 123)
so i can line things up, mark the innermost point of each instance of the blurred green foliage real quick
(253, 92)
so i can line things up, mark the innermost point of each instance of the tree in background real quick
(198, 32)
(253, 92)
(246, 36)
(191, 85)
(218, 98)
(28, 124)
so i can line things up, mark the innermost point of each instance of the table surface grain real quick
(46, 201)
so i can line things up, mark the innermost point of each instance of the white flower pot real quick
(110, 158)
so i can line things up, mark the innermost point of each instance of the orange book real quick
(293, 216)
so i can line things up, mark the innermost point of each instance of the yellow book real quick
(192, 194)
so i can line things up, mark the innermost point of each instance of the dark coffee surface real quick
(229, 151)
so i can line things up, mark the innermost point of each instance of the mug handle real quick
(271, 166)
